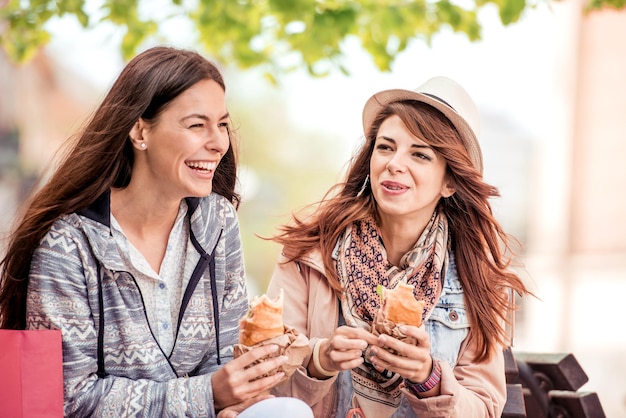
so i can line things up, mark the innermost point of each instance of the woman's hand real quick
(412, 362)
(343, 351)
(232, 384)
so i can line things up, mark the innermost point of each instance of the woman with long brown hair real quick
(132, 249)
(413, 210)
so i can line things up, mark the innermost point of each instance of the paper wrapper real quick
(291, 344)
(381, 325)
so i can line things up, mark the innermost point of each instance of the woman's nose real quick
(396, 164)
(218, 142)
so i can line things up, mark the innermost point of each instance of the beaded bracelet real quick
(428, 384)
(318, 365)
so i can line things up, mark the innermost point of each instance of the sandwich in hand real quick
(400, 306)
(264, 320)
(264, 325)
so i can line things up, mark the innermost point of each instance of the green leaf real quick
(379, 290)
(137, 33)
(605, 4)
(511, 10)
(22, 45)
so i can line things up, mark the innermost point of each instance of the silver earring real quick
(143, 145)
(360, 193)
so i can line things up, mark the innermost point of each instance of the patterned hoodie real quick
(112, 364)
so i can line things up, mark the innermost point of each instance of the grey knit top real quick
(113, 363)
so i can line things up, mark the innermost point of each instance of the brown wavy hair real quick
(482, 249)
(101, 157)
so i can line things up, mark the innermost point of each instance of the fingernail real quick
(274, 347)
(402, 329)
(283, 359)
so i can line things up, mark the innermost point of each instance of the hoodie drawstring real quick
(195, 278)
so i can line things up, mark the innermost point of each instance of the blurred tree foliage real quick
(280, 35)
(283, 169)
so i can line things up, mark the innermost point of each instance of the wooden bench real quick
(545, 385)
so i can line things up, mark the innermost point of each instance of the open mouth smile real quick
(202, 166)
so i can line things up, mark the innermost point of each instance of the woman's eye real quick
(383, 147)
(223, 125)
(422, 156)
(197, 125)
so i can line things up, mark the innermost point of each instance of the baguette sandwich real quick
(264, 320)
(400, 306)
(264, 325)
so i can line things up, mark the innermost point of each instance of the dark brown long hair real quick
(481, 247)
(101, 157)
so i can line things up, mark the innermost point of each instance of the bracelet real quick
(428, 384)
(317, 364)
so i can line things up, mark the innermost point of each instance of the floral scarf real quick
(362, 265)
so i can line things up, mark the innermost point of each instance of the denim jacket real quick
(448, 325)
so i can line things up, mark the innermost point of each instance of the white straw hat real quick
(443, 94)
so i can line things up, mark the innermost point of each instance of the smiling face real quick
(183, 147)
(407, 177)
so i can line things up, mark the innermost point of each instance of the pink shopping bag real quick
(31, 374)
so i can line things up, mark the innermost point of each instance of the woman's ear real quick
(136, 135)
(448, 190)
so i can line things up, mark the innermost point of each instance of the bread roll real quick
(400, 306)
(263, 321)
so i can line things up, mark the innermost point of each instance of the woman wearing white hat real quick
(413, 209)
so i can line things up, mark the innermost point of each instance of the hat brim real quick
(381, 99)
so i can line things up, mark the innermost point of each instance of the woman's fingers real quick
(403, 348)
(411, 361)
(418, 333)
(333, 354)
(260, 386)
(257, 353)
(238, 379)
(346, 359)
(348, 338)
(344, 350)
(250, 373)
(414, 370)
(265, 366)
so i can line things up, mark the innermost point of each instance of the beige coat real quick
(467, 390)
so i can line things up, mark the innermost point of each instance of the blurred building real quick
(577, 233)
(41, 105)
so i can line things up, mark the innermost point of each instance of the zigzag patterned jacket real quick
(112, 364)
